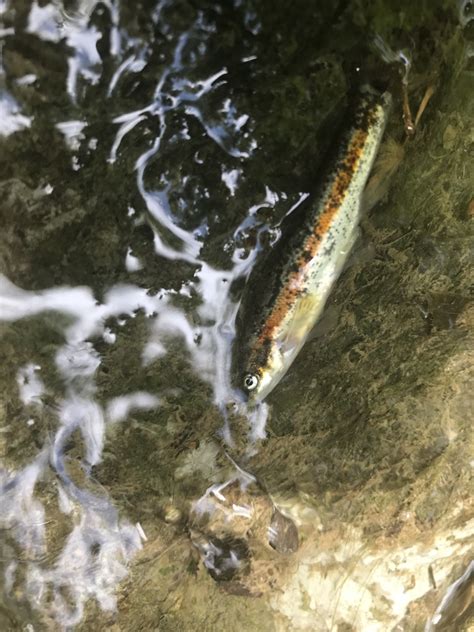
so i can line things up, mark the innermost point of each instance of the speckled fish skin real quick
(287, 290)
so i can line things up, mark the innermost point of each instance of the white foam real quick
(100, 543)
(72, 131)
(230, 179)
(119, 408)
(30, 384)
(22, 514)
(132, 263)
(11, 118)
(26, 80)
(45, 22)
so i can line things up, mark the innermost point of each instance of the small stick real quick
(407, 117)
(424, 102)
(431, 576)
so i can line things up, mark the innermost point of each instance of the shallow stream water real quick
(149, 152)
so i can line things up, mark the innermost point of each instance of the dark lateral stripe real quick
(334, 199)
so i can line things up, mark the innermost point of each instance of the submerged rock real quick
(111, 431)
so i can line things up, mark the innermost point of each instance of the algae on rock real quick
(369, 442)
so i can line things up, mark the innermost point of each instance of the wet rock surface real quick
(360, 516)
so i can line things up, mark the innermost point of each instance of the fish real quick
(288, 287)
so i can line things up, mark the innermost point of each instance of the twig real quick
(424, 102)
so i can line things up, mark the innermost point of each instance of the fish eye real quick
(250, 381)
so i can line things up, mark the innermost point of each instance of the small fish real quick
(286, 292)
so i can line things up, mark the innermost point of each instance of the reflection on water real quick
(156, 99)
(455, 602)
(101, 542)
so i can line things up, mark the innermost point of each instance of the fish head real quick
(261, 369)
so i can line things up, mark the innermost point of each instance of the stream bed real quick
(149, 152)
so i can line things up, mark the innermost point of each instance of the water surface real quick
(148, 156)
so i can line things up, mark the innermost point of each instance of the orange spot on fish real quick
(290, 292)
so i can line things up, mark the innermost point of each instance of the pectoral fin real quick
(300, 324)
